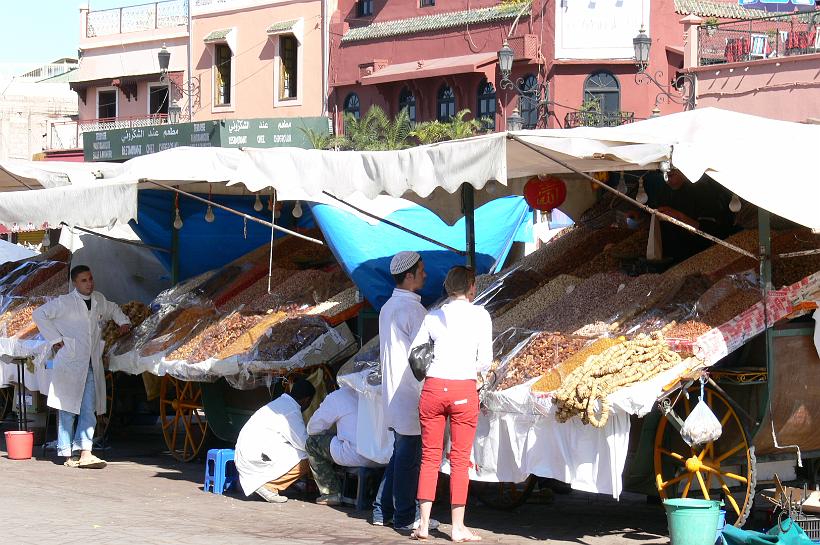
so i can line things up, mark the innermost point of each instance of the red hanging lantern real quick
(545, 193)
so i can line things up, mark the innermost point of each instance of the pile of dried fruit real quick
(287, 338)
(136, 312)
(214, 338)
(248, 339)
(545, 351)
(177, 326)
(621, 365)
(552, 379)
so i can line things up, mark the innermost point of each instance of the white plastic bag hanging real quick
(701, 426)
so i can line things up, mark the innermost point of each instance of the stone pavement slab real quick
(152, 499)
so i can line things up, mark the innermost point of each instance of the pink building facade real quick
(439, 57)
(249, 58)
(765, 66)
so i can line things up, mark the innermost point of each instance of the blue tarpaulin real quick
(365, 249)
(204, 246)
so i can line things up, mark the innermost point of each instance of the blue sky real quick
(37, 31)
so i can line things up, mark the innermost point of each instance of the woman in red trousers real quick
(462, 337)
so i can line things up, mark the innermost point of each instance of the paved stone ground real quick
(146, 497)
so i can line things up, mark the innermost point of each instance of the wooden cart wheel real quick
(184, 425)
(504, 496)
(104, 420)
(6, 395)
(724, 469)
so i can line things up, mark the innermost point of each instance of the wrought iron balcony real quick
(597, 119)
(156, 15)
(769, 37)
(68, 134)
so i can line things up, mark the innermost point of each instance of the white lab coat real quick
(66, 319)
(270, 444)
(340, 408)
(399, 321)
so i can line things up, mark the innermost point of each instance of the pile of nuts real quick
(535, 303)
(21, 319)
(257, 290)
(715, 258)
(136, 312)
(515, 285)
(308, 287)
(545, 351)
(287, 338)
(248, 339)
(337, 304)
(689, 330)
(621, 365)
(574, 310)
(731, 306)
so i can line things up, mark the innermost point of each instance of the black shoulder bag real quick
(420, 359)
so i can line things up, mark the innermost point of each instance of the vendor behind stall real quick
(270, 451)
(704, 205)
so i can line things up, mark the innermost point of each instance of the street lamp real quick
(174, 110)
(642, 43)
(684, 84)
(515, 122)
(505, 61)
(164, 59)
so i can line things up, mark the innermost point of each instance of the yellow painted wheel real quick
(184, 425)
(6, 395)
(104, 420)
(720, 470)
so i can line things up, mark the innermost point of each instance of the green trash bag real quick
(786, 533)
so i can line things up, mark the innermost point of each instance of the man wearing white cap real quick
(399, 322)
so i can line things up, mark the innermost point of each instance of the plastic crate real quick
(810, 524)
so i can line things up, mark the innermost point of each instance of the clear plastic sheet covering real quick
(507, 288)
(29, 275)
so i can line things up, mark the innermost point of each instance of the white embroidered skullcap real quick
(402, 262)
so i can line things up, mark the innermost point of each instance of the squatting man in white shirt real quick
(340, 409)
(73, 325)
(270, 451)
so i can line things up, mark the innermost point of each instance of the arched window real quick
(603, 88)
(352, 105)
(407, 100)
(446, 103)
(528, 103)
(486, 105)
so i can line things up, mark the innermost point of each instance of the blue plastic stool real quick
(363, 498)
(220, 471)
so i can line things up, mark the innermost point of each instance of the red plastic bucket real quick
(19, 444)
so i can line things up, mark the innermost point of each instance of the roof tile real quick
(715, 8)
(438, 21)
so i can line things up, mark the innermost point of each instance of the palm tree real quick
(430, 132)
(396, 133)
(318, 140)
(459, 128)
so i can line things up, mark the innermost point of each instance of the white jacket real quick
(340, 408)
(399, 321)
(270, 444)
(66, 319)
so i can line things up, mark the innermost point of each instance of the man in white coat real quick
(270, 451)
(340, 409)
(73, 325)
(399, 321)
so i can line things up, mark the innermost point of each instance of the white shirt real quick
(66, 319)
(462, 336)
(342, 409)
(270, 444)
(399, 321)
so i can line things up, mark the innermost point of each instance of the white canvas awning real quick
(766, 162)
(769, 163)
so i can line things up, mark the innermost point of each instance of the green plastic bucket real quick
(691, 521)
